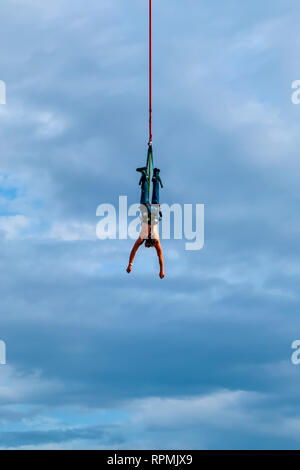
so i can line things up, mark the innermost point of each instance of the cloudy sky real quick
(97, 358)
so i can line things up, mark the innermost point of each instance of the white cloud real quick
(72, 231)
(13, 226)
(16, 386)
(221, 409)
(50, 125)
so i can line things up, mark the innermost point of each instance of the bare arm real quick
(160, 258)
(136, 246)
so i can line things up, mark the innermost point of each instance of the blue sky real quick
(100, 359)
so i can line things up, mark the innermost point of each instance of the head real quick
(150, 243)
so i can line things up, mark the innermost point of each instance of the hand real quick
(129, 268)
(161, 274)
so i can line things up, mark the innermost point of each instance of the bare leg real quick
(136, 246)
(160, 258)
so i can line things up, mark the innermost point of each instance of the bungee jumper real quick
(150, 216)
(150, 213)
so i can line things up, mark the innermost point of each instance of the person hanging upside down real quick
(150, 216)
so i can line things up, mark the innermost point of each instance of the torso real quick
(146, 231)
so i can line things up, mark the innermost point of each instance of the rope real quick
(149, 166)
(150, 72)
(150, 153)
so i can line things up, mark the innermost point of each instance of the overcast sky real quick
(100, 359)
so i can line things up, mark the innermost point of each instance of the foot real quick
(144, 175)
(129, 268)
(156, 176)
(161, 274)
(142, 169)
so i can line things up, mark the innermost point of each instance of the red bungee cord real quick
(150, 72)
